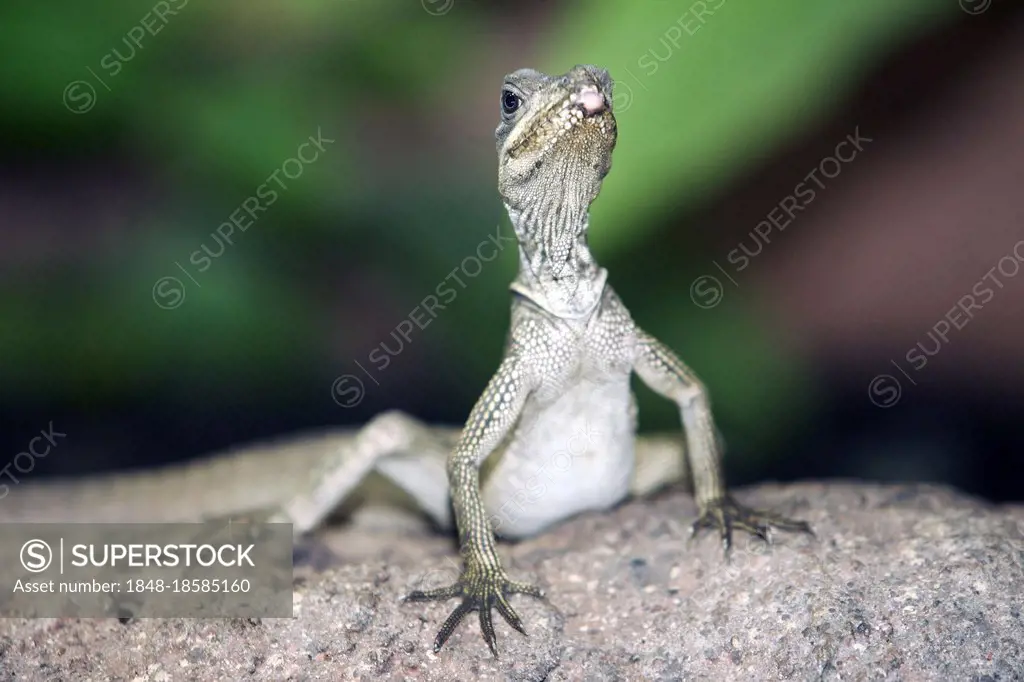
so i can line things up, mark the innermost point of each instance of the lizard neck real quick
(556, 269)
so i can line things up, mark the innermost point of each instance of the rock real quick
(901, 582)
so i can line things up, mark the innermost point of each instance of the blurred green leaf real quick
(707, 87)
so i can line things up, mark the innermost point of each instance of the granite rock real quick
(901, 582)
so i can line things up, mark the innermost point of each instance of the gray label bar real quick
(146, 570)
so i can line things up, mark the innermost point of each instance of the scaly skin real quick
(570, 353)
(556, 425)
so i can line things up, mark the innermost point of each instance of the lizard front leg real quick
(666, 374)
(483, 583)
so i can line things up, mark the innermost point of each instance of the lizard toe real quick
(726, 514)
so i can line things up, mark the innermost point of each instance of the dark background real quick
(129, 134)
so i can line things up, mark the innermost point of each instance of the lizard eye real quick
(509, 102)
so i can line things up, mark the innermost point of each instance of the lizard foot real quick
(480, 590)
(726, 514)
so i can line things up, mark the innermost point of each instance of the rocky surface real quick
(902, 583)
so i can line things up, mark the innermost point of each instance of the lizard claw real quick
(480, 591)
(726, 514)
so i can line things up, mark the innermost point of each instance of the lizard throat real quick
(556, 269)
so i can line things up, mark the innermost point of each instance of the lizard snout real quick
(591, 100)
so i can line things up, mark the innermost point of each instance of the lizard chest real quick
(572, 449)
(570, 455)
(597, 351)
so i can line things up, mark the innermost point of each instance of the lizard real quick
(553, 434)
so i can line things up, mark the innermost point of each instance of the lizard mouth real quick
(585, 107)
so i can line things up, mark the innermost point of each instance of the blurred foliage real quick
(715, 91)
(207, 108)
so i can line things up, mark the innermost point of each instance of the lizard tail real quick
(237, 481)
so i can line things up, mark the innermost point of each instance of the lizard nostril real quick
(592, 101)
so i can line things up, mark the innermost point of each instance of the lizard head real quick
(556, 136)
